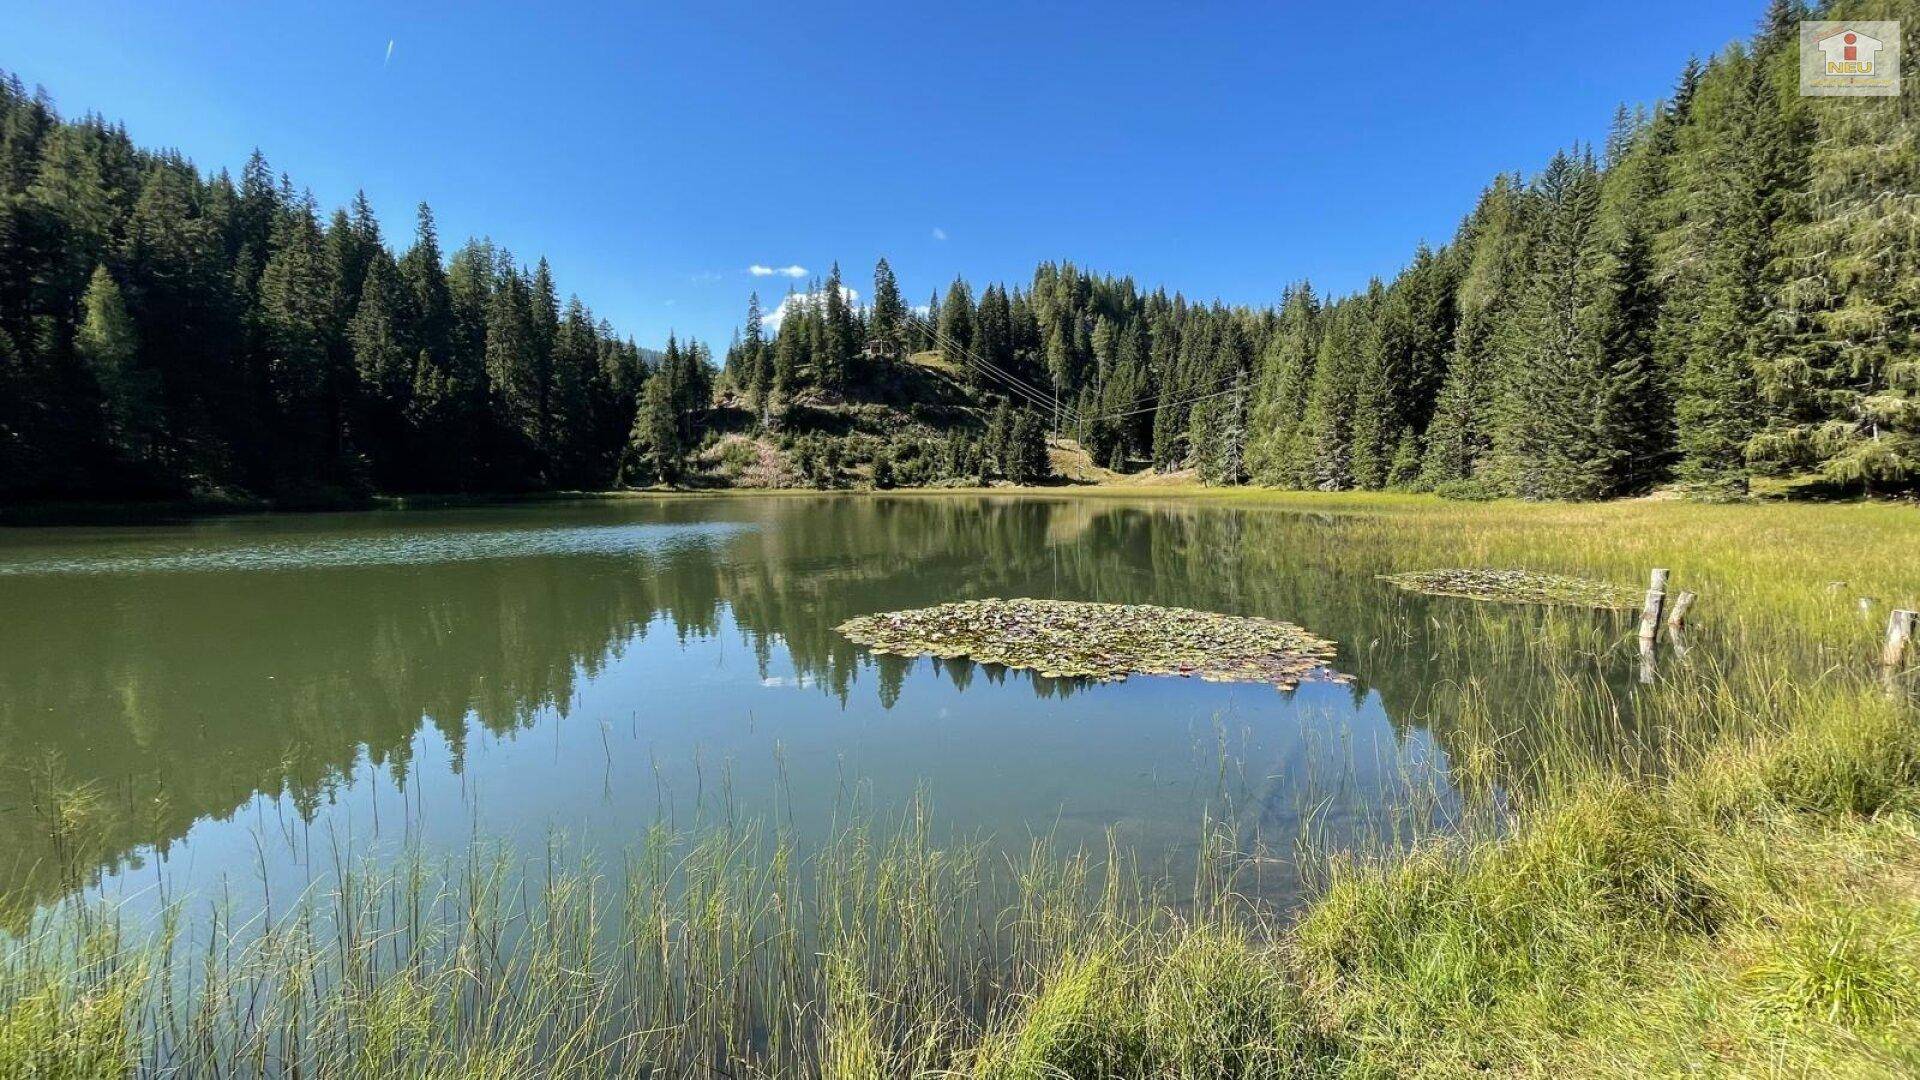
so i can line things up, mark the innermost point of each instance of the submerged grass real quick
(1515, 587)
(1731, 888)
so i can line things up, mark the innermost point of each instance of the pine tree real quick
(108, 343)
(1636, 412)
(1717, 411)
(956, 325)
(1843, 391)
(756, 365)
(1548, 437)
(834, 360)
(385, 370)
(1275, 455)
(1492, 242)
(1327, 431)
(654, 453)
(1025, 460)
(516, 378)
(1375, 426)
(296, 313)
(886, 327)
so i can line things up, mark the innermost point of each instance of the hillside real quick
(915, 422)
(1719, 299)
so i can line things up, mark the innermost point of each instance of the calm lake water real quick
(223, 708)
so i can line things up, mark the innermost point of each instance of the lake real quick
(227, 708)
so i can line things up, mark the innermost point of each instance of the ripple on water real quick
(385, 550)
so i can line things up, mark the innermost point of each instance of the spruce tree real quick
(1548, 437)
(654, 453)
(835, 359)
(384, 368)
(1492, 243)
(1842, 393)
(296, 313)
(886, 327)
(1275, 455)
(956, 326)
(108, 344)
(1717, 411)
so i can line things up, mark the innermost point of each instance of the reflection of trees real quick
(133, 704)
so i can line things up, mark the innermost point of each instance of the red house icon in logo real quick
(1849, 52)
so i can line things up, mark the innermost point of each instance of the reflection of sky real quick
(392, 549)
(686, 727)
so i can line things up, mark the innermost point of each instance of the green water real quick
(222, 707)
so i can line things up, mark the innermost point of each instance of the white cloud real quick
(389, 58)
(800, 300)
(939, 233)
(795, 271)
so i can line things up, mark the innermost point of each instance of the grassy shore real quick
(1734, 890)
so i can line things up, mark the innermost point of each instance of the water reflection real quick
(171, 696)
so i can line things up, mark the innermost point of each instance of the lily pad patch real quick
(1105, 642)
(1517, 587)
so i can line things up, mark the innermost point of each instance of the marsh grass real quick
(1717, 871)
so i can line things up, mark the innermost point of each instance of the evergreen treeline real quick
(167, 333)
(1729, 287)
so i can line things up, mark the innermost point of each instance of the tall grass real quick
(1720, 876)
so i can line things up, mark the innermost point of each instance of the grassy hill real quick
(922, 418)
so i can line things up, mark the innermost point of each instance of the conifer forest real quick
(1726, 288)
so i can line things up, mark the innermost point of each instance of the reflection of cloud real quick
(794, 271)
(797, 301)
(939, 233)
(792, 682)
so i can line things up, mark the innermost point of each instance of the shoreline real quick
(181, 511)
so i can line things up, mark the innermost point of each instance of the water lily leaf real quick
(1106, 642)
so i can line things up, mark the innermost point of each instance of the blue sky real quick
(656, 153)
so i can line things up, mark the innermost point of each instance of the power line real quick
(1220, 383)
(948, 344)
(1169, 405)
(1028, 392)
(1039, 398)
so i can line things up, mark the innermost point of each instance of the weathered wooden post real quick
(1677, 623)
(1901, 626)
(1656, 603)
(1677, 618)
(1650, 623)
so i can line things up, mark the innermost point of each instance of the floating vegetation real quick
(1107, 642)
(1516, 587)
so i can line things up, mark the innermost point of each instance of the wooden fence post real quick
(1900, 630)
(1656, 603)
(1677, 623)
(1650, 623)
(1677, 618)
